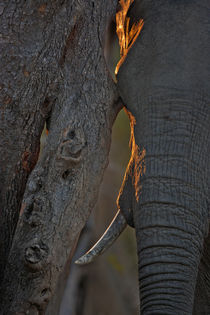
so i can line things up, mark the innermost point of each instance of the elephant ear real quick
(131, 187)
(126, 197)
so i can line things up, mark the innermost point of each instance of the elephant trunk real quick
(171, 213)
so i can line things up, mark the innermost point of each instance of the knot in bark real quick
(35, 211)
(70, 148)
(32, 311)
(36, 254)
(35, 180)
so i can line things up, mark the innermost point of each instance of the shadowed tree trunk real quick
(53, 70)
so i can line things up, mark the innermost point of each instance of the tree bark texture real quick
(53, 70)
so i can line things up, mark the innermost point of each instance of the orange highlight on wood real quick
(127, 37)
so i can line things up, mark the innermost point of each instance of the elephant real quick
(164, 85)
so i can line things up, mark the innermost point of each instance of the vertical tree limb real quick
(60, 68)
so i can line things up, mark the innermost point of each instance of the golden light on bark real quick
(127, 36)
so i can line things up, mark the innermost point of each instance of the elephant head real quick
(164, 84)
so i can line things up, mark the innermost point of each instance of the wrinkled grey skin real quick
(164, 83)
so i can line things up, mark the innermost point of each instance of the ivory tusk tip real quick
(78, 262)
(83, 260)
(111, 234)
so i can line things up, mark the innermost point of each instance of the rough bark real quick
(164, 83)
(54, 70)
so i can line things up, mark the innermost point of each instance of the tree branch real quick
(67, 72)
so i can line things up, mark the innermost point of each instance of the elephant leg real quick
(202, 291)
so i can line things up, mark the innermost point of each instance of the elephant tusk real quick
(114, 230)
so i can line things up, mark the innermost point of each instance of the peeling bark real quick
(54, 69)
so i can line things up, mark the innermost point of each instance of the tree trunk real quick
(53, 70)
